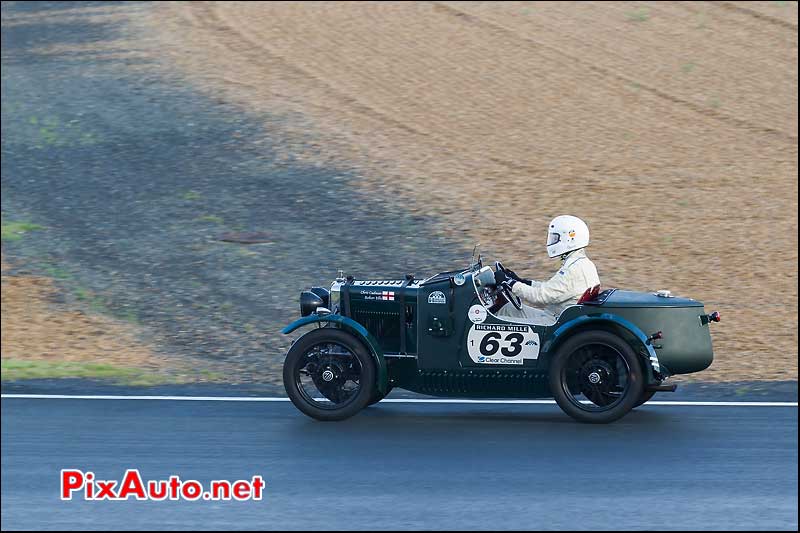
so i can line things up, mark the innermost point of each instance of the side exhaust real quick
(662, 388)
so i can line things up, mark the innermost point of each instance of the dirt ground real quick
(37, 325)
(670, 127)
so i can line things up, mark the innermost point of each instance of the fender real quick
(632, 328)
(356, 329)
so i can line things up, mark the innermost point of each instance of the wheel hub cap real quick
(327, 375)
(594, 378)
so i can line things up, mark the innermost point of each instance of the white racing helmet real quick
(566, 234)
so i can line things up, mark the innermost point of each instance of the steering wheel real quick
(505, 289)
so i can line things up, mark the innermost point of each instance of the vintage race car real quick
(449, 335)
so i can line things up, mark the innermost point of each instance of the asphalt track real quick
(407, 465)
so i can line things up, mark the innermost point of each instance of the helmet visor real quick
(553, 238)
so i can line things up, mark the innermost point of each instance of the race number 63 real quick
(497, 343)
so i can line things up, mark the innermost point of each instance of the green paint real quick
(437, 336)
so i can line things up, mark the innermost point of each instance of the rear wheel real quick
(329, 374)
(596, 377)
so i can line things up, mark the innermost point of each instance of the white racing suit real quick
(577, 273)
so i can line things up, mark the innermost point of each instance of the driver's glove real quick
(513, 275)
(510, 283)
(500, 277)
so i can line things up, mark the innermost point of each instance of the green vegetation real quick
(15, 369)
(14, 231)
(95, 302)
(191, 196)
(52, 131)
(640, 15)
(214, 219)
(55, 271)
(208, 375)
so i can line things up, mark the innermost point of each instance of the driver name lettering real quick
(378, 295)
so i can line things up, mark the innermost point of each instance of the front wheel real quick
(596, 377)
(329, 374)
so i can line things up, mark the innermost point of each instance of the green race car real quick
(447, 335)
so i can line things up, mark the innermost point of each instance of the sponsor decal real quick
(437, 297)
(477, 314)
(502, 344)
(459, 279)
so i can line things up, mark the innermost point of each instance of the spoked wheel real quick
(596, 377)
(329, 374)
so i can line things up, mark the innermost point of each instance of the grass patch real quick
(14, 231)
(208, 375)
(96, 303)
(15, 369)
(56, 272)
(191, 196)
(640, 15)
(214, 219)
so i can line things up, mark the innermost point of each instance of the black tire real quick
(646, 397)
(377, 396)
(618, 370)
(333, 353)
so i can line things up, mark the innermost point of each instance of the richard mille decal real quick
(500, 344)
(477, 314)
(437, 297)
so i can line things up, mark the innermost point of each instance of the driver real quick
(567, 237)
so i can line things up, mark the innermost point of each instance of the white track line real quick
(388, 400)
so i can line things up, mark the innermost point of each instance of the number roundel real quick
(502, 344)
